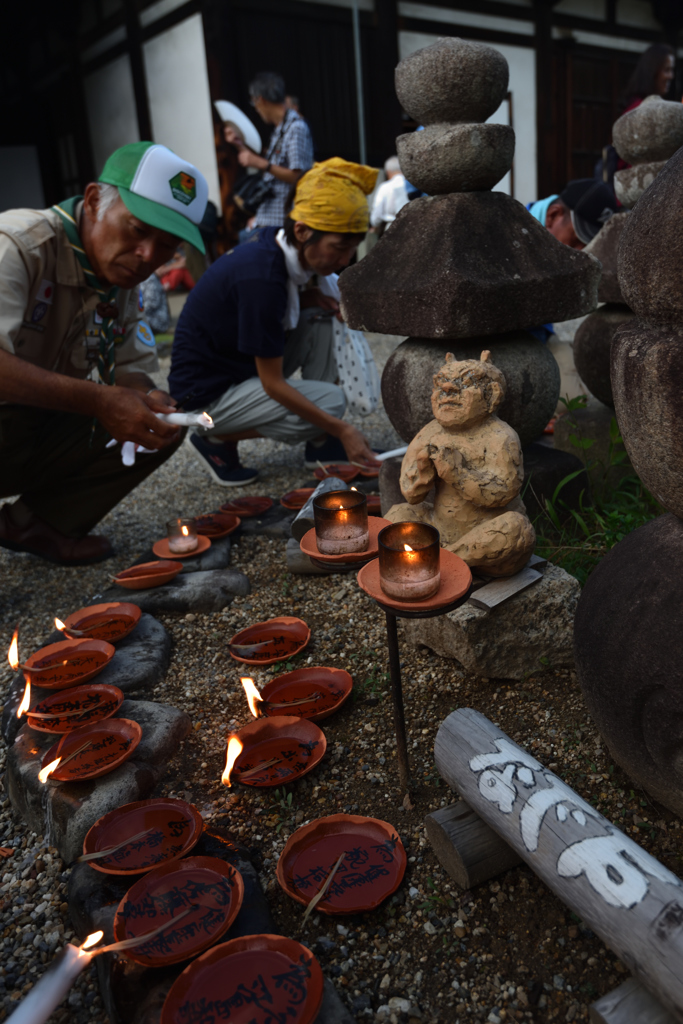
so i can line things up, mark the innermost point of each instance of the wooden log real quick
(629, 1004)
(304, 517)
(627, 897)
(466, 847)
(495, 593)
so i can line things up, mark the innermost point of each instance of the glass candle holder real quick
(409, 556)
(341, 522)
(182, 536)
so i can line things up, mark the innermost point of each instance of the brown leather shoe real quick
(41, 539)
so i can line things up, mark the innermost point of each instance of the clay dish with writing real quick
(109, 744)
(309, 545)
(294, 500)
(289, 746)
(211, 886)
(256, 979)
(172, 828)
(111, 621)
(84, 660)
(372, 868)
(264, 643)
(248, 507)
(456, 579)
(148, 574)
(327, 687)
(216, 524)
(345, 473)
(73, 708)
(162, 550)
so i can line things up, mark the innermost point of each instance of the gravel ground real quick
(508, 950)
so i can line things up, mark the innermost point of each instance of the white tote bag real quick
(358, 374)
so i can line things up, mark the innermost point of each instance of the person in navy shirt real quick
(243, 333)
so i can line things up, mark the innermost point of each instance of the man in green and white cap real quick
(75, 351)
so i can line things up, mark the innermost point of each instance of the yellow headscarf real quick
(332, 196)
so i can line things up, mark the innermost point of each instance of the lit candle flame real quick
(13, 653)
(59, 625)
(355, 489)
(407, 547)
(45, 772)
(91, 940)
(185, 531)
(254, 698)
(25, 700)
(234, 750)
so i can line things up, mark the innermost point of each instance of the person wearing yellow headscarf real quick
(253, 319)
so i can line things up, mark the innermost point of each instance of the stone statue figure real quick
(475, 461)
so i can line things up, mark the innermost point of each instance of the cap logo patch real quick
(183, 188)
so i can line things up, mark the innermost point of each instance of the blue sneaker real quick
(222, 462)
(330, 451)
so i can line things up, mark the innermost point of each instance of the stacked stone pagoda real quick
(629, 641)
(645, 138)
(463, 268)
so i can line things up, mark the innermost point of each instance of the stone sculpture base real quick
(509, 641)
(592, 346)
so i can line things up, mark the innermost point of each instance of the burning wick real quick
(13, 658)
(254, 698)
(68, 630)
(235, 748)
(25, 700)
(185, 531)
(91, 940)
(45, 772)
(407, 547)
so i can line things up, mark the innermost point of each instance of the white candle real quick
(52, 988)
(182, 536)
(186, 419)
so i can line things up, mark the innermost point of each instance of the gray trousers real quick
(246, 406)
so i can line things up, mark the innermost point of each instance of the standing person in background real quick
(289, 153)
(652, 76)
(390, 197)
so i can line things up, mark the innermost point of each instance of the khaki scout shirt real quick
(47, 310)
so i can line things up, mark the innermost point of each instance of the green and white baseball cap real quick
(159, 188)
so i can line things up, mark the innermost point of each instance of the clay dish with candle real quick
(345, 473)
(73, 708)
(92, 750)
(309, 545)
(111, 621)
(217, 524)
(211, 886)
(167, 828)
(162, 550)
(264, 643)
(455, 582)
(372, 868)
(294, 500)
(289, 747)
(328, 688)
(252, 963)
(248, 507)
(84, 660)
(148, 575)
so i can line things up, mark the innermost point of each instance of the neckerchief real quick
(105, 308)
(297, 277)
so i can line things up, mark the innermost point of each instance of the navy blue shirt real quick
(232, 314)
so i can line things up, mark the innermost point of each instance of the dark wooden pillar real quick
(546, 108)
(384, 122)
(137, 66)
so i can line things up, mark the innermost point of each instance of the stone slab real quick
(532, 380)
(463, 265)
(197, 592)
(497, 591)
(64, 812)
(140, 662)
(456, 157)
(216, 557)
(133, 994)
(275, 524)
(300, 564)
(509, 641)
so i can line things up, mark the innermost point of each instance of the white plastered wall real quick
(110, 101)
(522, 63)
(179, 98)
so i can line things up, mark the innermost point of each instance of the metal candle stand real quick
(392, 613)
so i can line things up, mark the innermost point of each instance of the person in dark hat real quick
(576, 215)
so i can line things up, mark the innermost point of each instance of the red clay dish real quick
(175, 828)
(256, 979)
(85, 659)
(374, 505)
(297, 744)
(332, 684)
(148, 574)
(216, 524)
(248, 507)
(110, 743)
(267, 642)
(76, 707)
(294, 500)
(346, 473)
(372, 869)
(309, 545)
(162, 550)
(456, 579)
(111, 622)
(211, 885)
